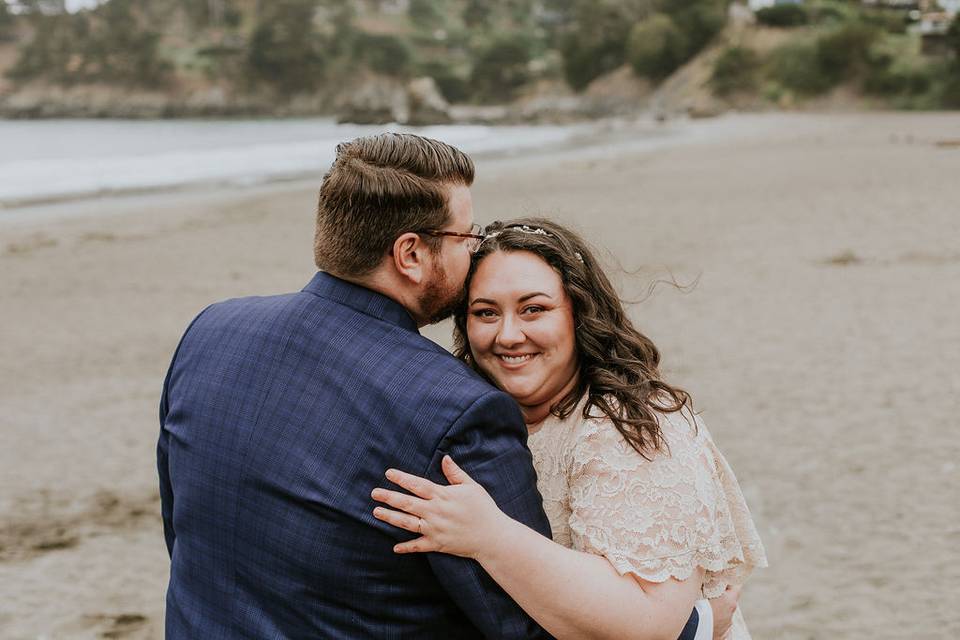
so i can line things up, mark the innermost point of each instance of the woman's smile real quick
(515, 361)
(521, 330)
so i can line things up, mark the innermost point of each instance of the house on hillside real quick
(933, 28)
(952, 7)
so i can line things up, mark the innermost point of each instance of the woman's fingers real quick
(399, 500)
(410, 523)
(414, 484)
(455, 475)
(419, 545)
(398, 519)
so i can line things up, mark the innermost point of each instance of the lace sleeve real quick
(664, 517)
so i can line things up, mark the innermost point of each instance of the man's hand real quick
(723, 608)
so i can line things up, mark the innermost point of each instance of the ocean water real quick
(49, 160)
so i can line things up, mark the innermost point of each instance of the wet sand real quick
(821, 344)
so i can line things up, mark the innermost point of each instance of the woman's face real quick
(520, 326)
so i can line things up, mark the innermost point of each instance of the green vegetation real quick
(502, 67)
(475, 50)
(949, 92)
(6, 23)
(837, 43)
(285, 51)
(735, 71)
(593, 41)
(116, 45)
(783, 15)
(656, 47)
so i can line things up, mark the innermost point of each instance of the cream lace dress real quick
(656, 518)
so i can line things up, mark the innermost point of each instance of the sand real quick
(821, 344)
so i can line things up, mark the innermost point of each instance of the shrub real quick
(453, 86)
(383, 53)
(950, 94)
(6, 23)
(833, 11)
(502, 67)
(593, 40)
(783, 15)
(889, 21)
(953, 37)
(735, 70)
(845, 51)
(796, 66)
(698, 20)
(285, 51)
(656, 47)
(112, 45)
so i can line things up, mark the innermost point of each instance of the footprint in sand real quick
(118, 626)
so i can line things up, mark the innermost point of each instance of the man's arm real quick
(163, 470)
(163, 448)
(489, 442)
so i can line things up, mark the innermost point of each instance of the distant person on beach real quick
(279, 415)
(644, 509)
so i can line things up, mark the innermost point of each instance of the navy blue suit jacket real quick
(279, 415)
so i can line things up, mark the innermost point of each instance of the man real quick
(280, 414)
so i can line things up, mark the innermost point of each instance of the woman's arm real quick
(570, 593)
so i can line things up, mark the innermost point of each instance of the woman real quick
(645, 512)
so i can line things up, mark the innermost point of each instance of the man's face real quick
(443, 288)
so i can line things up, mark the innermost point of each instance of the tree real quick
(594, 38)
(950, 92)
(6, 22)
(384, 53)
(285, 50)
(735, 70)
(698, 20)
(503, 67)
(121, 47)
(425, 14)
(656, 47)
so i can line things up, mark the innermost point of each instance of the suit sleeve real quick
(163, 449)
(489, 442)
(163, 469)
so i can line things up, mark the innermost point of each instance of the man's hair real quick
(380, 187)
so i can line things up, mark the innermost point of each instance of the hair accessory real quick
(528, 229)
(525, 228)
(520, 227)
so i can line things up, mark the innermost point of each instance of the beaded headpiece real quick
(525, 228)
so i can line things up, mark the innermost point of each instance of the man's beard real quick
(440, 299)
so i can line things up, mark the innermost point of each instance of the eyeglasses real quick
(475, 237)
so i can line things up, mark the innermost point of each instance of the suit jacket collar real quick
(361, 299)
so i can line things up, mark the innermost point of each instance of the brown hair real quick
(380, 187)
(619, 366)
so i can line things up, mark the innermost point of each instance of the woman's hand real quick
(724, 607)
(460, 519)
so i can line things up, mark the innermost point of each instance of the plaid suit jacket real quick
(278, 417)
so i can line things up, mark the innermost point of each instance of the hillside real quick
(410, 60)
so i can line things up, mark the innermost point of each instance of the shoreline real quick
(592, 140)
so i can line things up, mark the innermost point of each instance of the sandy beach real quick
(821, 344)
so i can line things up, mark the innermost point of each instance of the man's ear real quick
(408, 255)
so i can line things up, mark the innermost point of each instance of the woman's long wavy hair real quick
(619, 366)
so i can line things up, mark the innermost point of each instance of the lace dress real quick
(657, 518)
